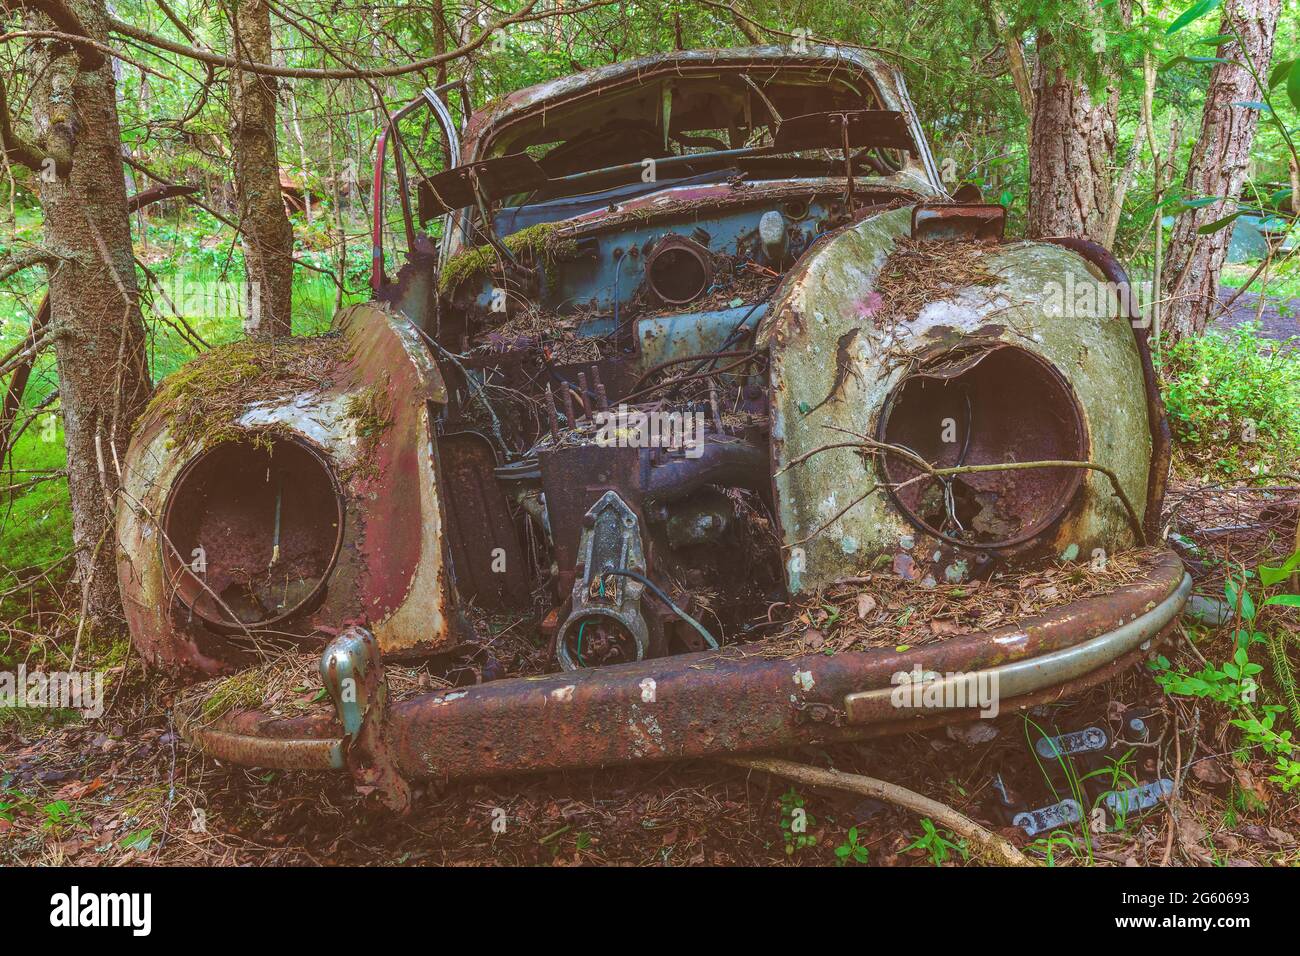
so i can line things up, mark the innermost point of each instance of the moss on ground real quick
(35, 530)
(242, 691)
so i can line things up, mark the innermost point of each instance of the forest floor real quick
(1277, 311)
(125, 789)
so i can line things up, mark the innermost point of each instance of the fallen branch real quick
(998, 849)
(1092, 465)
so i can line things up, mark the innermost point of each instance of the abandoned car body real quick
(704, 334)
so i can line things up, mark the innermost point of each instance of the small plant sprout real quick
(850, 851)
(795, 821)
(938, 843)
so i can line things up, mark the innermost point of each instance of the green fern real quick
(1284, 673)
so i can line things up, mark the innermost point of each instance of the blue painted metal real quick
(668, 336)
(589, 282)
(343, 668)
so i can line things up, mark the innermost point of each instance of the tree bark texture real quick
(267, 236)
(1218, 167)
(1071, 143)
(99, 349)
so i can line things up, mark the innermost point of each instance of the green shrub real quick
(1234, 400)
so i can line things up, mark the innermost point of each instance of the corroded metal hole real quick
(988, 405)
(255, 528)
(678, 270)
(600, 638)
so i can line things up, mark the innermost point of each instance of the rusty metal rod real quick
(551, 414)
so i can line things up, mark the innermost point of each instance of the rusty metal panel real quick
(710, 703)
(574, 479)
(920, 174)
(368, 422)
(485, 550)
(834, 370)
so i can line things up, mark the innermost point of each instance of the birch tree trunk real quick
(1218, 167)
(267, 235)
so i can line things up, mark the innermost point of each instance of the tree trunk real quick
(1015, 60)
(1218, 168)
(267, 234)
(1071, 142)
(1122, 184)
(103, 379)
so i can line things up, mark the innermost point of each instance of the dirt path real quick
(1279, 320)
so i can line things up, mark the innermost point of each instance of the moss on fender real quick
(201, 402)
(540, 242)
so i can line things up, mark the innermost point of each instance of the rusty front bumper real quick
(692, 705)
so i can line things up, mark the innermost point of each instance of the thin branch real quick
(305, 73)
(67, 22)
(924, 466)
(16, 149)
(999, 849)
(19, 261)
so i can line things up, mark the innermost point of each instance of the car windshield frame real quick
(884, 88)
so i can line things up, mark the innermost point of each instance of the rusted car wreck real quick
(710, 249)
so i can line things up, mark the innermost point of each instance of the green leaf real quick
(1217, 224)
(1293, 85)
(1195, 60)
(1271, 574)
(1279, 72)
(1284, 600)
(1217, 40)
(140, 840)
(1194, 12)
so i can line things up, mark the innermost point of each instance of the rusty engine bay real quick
(705, 338)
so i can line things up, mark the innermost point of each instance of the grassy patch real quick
(1284, 282)
(195, 272)
(241, 691)
(35, 527)
(1234, 402)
